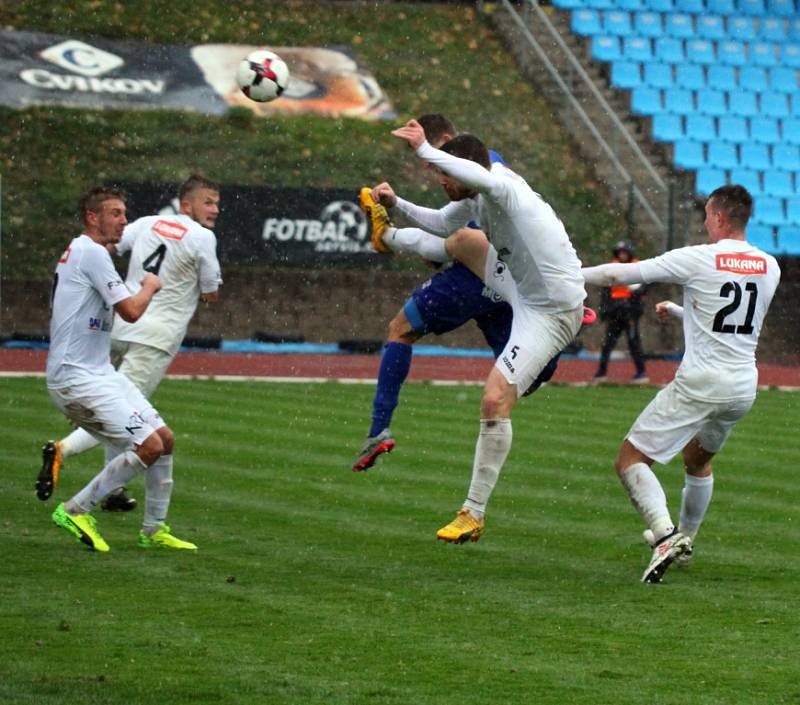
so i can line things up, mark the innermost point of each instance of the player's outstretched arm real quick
(613, 274)
(132, 308)
(667, 309)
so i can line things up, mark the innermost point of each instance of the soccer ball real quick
(263, 76)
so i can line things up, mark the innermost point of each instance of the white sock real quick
(648, 498)
(491, 451)
(695, 498)
(415, 240)
(77, 442)
(158, 490)
(114, 475)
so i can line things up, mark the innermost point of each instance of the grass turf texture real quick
(317, 585)
(428, 58)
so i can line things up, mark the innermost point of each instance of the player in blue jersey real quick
(445, 302)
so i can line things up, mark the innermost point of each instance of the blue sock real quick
(395, 363)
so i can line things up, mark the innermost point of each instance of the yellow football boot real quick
(164, 539)
(81, 526)
(463, 528)
(378, 218)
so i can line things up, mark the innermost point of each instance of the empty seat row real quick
(691, 154)
(683, 26)
(775, 150)
(747, 8)
(751, 81)
(709, 101)
(783, 240)
(697, 51)
(776, 211)
(757, 183)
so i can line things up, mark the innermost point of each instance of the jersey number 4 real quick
(733, 288)
(155, 259)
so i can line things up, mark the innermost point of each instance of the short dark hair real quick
(468, 147)
(194, 182)
(91, 200)
(735, 202)
(436, 125)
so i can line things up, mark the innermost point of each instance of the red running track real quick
(458, 369)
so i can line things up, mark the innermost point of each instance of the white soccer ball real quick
(263, 76)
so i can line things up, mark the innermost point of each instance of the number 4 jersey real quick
(183, 255)
(728, 287)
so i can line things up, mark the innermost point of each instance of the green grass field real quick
(317, 585)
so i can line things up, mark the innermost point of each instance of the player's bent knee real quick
(167, 439)
(400, 330)
(151, 450)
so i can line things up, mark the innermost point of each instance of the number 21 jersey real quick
(728, 287)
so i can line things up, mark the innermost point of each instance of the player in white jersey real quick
(728, 286)
(527, 259)
(83, 384)
(181, 250)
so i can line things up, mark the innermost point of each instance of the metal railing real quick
(648, 189)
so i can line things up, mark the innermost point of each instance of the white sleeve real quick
(469, 173)
(210, 275)
(99, 269)
(443, 221)
(673, 267)
(613, 274)
(674, 310)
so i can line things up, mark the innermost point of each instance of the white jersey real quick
(183, 255)
(728, 287)
(85, 288)
(522, 227)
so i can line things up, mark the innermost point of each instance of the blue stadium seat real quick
(647, 24)
(753, 78)
(742, 29)
(668, 127)
(775, 104)
(679, 25)
(694, 6)
(781, 8)
(791, 130)
(749, 178)
(763, 54)
(733, 128)
(769, 211)
(658, 75)
(789, 240)
(765, 130)
(790, 55)
(786, 156)
(722, 155)
(637, 49)
(772, 29)
(670, 50)
(599, 4)
(782, 78)
(679, 101)
(794, 29)
(779, 183)
(795, 103)
(617, 24)
(586, 22)
(755, 156)
(700, 51)
(708, 179)
(626, 74)
(732, 53)
(646, 101)
(743, 103)
(660, 5)
(690, 76)
(762, 237)
(689, 154)
(606, 49)
(711, 101)
(721, 7)
(754, 8)
(631, 5)
(722, 78)
(568, 4)
(710, 27)
(701, 128)
(793, 210)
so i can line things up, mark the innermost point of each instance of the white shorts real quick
(143, 365)
(672, 419)
(110, 408)
(536, 336)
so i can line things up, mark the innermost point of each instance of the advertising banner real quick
(282, 226)
(38, 69)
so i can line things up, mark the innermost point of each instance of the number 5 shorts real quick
(110, 408)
